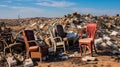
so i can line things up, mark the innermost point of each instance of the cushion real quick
(85, 40)
(34, 48)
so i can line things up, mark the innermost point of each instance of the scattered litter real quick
(33, 24)
(89, 58)
(116, 51)
(104, 44)
(106, 38)
(98, 41)
(64, 57)
(11, 61)
(114, 33)
(72, 55)
(109, 43)
(71, 34)
(19, 57)
(28, 63)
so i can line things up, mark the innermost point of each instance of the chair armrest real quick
(34, 42)
(58, 38)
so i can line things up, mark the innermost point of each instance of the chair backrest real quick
(60, 31)
(52, 33)
(28, 35)
(91, 30)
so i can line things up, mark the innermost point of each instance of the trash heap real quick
(107, 35)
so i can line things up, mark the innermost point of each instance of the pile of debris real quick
(107, 36)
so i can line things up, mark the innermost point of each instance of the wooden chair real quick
(61, 33)
(32, 47)
(56, 41)
(89, 41)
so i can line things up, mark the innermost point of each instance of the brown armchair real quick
(33, 49)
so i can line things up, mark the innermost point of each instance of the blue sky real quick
(56, 8)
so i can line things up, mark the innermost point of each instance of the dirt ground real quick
(104, 59)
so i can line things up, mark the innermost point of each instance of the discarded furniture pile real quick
(51, 39)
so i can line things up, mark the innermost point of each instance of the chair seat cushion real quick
(34, 48)
(60, 43)
(85, 40)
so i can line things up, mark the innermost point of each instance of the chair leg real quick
(95, 48)
(40, 54)
(41, 58)
(91, 50)
(64, 47)
(80, 49)
(85, 49)
(67, 44)
(55, 48)
(27, 54)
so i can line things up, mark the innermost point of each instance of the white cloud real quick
(96, 11)
(3, 5)
(55, 3)
(28, 11)
(17, 7)
(24, 12)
